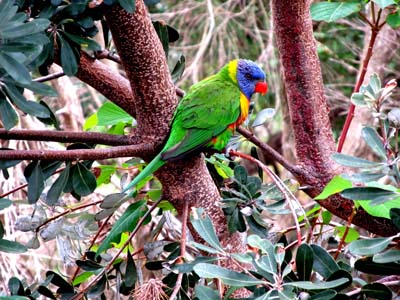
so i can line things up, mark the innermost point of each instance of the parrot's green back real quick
(205, 117)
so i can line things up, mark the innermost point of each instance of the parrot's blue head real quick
(250, 78)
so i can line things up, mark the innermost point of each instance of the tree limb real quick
(78, 154)
(66, 137)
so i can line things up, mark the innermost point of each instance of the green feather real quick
(153, 166)
(204, 113)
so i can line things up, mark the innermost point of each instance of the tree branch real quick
(78, 154)
(66, 137)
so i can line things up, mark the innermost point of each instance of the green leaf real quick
(98, 289)
(88, 265)
(368, 193)
(82, 278)
(228, 277)
(7, 113)
(15, 286)
(204, 227)
(206, 293)
(324, 264)
(46, 292)
(240, 174)
(376, 291)
(264, 245)
(29, 107)
(4, 203)
(354, 162)
(130, 271)
(332, 11)
(393, 20)
(395, 216)
(35, 183)
(366, 265)
(7, 11)
(382, 210)
(24, 29)
(83, 41)
(39, 88)
(162, 32)
(83, 181)
(373, 140)
(324, 295)
(111, 114)
(14, 68)
(369, 246)
(304, 261)
(68, 58)
(351, 235)
(308, 285)
(126, 223)
(334, 186)
(391, 255)
(177, 72)
(128, 5)
(58, 186)
(262, 116)
(11, 247)
(384, 3)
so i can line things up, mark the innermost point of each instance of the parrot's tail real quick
(153, 166)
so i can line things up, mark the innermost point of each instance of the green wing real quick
(205, 112)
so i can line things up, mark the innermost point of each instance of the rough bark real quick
(155, 99)
(308, 110)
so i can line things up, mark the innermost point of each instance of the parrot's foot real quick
(227, 152)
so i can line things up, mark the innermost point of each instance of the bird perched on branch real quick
(209, 113)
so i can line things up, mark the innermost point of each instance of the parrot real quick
(208, 114)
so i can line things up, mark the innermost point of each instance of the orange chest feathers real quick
(244, 111)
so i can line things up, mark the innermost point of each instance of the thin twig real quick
(295, 170)
(50, 77)
(110, 264)
(350, 115)
(345, 233)
(279, 184)
(108, 55)
(178, 283)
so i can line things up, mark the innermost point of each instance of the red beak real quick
(261, 87)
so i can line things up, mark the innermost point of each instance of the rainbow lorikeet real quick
(209, 113)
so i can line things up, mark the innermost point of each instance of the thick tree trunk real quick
(308, 110)
(155, 99)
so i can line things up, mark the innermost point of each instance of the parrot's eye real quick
(248, 76)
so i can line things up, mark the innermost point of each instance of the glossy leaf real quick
(130, 271)
(368, 193)
(7, 113)
(324, 295)
(369, 246)
(393, 20)
(391, 255)
(83, 41)
(177, 72)
(35, 183)
(354, 162)
(351, 235)
(57, 187)
(367, 265)
(98, 289)
(128, 5)
(83, 181)
(68, 59)
(373, 140)
(15, 286)
(11, 247)
(228, 277)
(395, 216)
(29, 107)
(24, 29)
(304, 261)
(4, 203)
(324, 264)
(384, 3)
(336, 185)
(376, 291)
(206, 293)
(322, 285)
(59, 281)
(126, 223)
(262, 116)
(382, 210)
(88, 265)
(46, 292)
(204, 227)
(332, 11)
(14, 68)
(111, 114)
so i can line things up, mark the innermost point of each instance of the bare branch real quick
(66, 137)
(78, 154)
